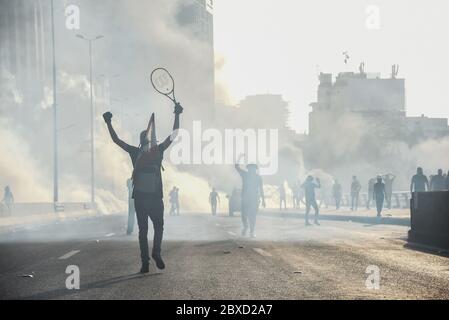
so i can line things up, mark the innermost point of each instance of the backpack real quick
(147, 174)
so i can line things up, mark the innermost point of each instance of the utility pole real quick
(92, 116)
(55, 114)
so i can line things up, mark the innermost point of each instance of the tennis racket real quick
(163, 83)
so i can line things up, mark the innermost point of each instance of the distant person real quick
(299, 194)
(282, 197)
(324, 196)
(388, 180)
(214, 199)
(438, 182)
(379, 195)
(172, 199)
(371, 184)
(355, 192)
(131, 208)
(147, 181)
(309, 187)
(177, 201)
(295, 195)
(419, 183)
(337, 193)
(447, 181)
(8, 200)
(252, 192)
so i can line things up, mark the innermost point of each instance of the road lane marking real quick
(262, 252)
(110, 235)
(232, 233)
(69, 254)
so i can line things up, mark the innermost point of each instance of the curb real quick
(358, 219)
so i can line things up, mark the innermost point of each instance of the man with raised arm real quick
(252, 192)
(147, 181)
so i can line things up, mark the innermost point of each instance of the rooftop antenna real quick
(362, 68)
(394, 71)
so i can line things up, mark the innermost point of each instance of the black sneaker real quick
(145, 268)
(159, 262)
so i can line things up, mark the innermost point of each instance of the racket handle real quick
(178, 108)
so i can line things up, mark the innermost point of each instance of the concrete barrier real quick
(24, 209)
(430, 218)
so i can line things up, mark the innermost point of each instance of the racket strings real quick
(162, 81)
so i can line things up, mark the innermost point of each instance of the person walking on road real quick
(214, 199)
(419, 183)
(337, 193)
(379, 195)
(447, 181)
(438, 182)
(355, 192)
(252, 192)
(389, 180)
(371, 184)
(282, 197)
(309, 187)
(172, 196)
(8, 200)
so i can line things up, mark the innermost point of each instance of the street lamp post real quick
(92, 116)
(55, 112)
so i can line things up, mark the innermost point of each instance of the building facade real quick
(378, 103)
(24, 43)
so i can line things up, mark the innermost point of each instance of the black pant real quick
(379, 204)
(311, 203)
(249, 214)
(213, 205)
(152, 207)
(354, 201)
(368, 201)
(337, 202)
(388, 199)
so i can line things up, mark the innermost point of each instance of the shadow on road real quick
(60, 293)
(427, 249)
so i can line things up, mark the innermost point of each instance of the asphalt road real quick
(207, 258)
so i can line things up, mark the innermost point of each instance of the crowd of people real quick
(146, 192)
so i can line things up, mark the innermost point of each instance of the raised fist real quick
(107, 116)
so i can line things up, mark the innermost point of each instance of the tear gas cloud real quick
(139, 36)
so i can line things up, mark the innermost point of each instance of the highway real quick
(207, 258)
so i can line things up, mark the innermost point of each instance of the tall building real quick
(197, 17)
(369, 96)
(24, 40)
(379, 102)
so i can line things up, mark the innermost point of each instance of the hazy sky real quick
(279, 46)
